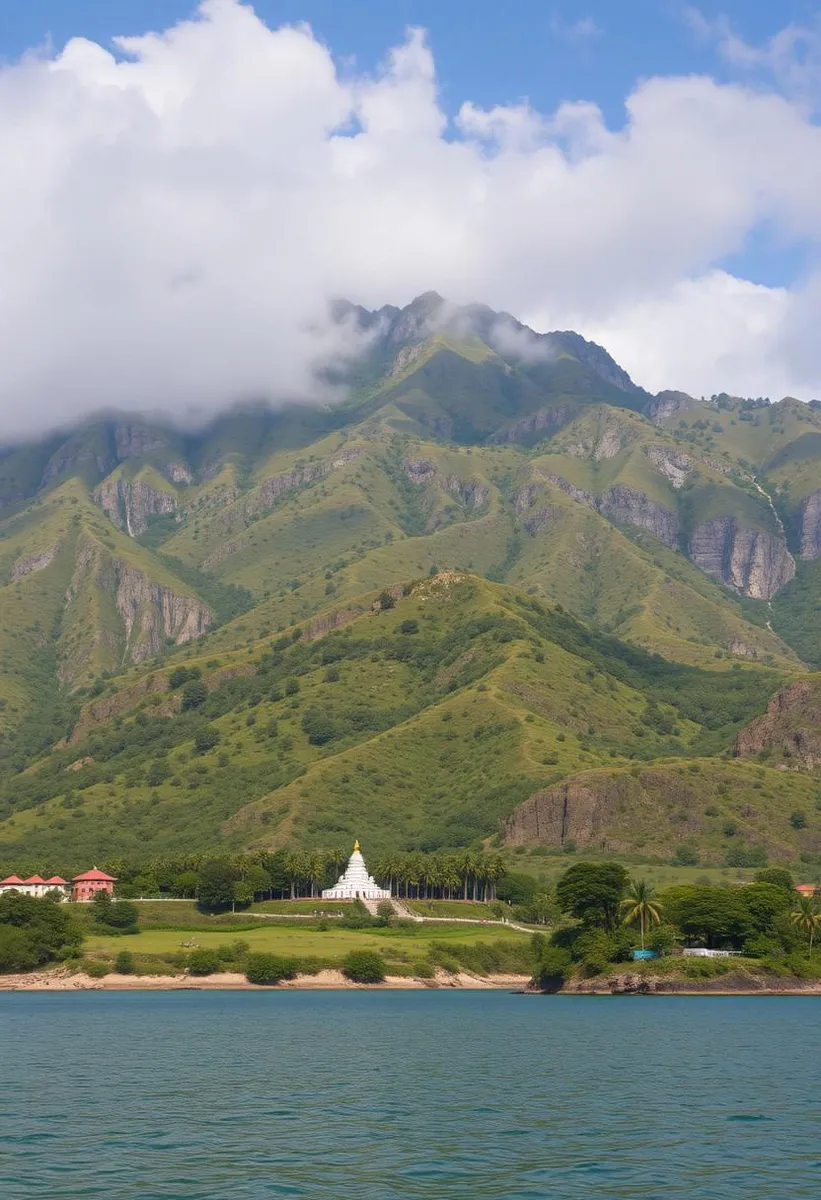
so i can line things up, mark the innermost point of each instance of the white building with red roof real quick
(35, 885)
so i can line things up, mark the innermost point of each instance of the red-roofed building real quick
(86, 886)
(806, 889)
(34, 886)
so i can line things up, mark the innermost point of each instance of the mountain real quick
(466, 446)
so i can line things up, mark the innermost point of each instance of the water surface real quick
(407, 1094)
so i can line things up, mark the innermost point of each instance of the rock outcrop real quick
(128, 503)
(673, 465)
(418, 471)
(667, 404)
(34, 562)
(277, 486)
(153, 613)
(469, 492)
(135, 440)
(606, 444)
(627, 506)
(546, 418)
(791, 726)
(752, 562)
(810, 526)
(579, 812)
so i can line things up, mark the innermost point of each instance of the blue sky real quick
(486, 51)
(177, 219)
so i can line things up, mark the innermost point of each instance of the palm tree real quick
(639, 905)
(807, 916)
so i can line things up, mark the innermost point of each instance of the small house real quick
(86, 886)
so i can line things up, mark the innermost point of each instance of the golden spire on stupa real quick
(356, 846)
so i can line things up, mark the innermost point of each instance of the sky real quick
(186, 188)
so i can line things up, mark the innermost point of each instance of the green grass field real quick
(401, 946)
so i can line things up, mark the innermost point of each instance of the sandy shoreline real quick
(327, 980)
(60, 980)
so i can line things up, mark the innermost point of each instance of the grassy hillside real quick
(421, 721)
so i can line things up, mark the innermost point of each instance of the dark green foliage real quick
(181, 675)
(592, 892)
(124, 963)
(206, 739)
(204, 962)
(35, 932)
(386, 601)
(215, 887)
(364, 966)
(553, 969)
(798, 819)
(226, 600)
(778, 877)
(685, 856)
(409, 626)
(194, 695)
(517, 888)
(114, 914)
(718, 917)
(269, 968)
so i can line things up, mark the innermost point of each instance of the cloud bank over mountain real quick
(180, 210)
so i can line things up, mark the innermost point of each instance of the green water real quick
(415, 1094)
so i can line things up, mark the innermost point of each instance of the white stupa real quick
(356, 883)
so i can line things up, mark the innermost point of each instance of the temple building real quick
(356, 883)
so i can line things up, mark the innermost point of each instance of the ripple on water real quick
(395, 1095)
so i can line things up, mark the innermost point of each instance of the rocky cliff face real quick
(546, 419)
(606, 444)
(756, 564)
(151, 613)
(272, 489)
(791, 726)
(34, 562)
(626, 506)
(666, 405)
(810, 526)
(116, 614)
(672, 464)
(128, 503)
(583, 812)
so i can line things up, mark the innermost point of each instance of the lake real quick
(407, 1094)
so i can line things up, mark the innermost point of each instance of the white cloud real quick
(176, 218)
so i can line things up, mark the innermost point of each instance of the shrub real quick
(124, 963)
(409, 626)
(798, 819)
(97, 970)
(364, 966)
(685, 856)
(553, 969)
(269, 968)
(206, 739)
(194, 694)
(204, 962)
(423, 970)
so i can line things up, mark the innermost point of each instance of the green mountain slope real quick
(417, 721)
(531, 467)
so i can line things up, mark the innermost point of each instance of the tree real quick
(639, 905)
(777, 876)
(714, 915)
(364, 966)
(807, 917)
(386, 601)
(592, 892)
(206, 739)
(194, 694)
(124, 963)
(215, 890)
(553, 969)
(33, 932)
